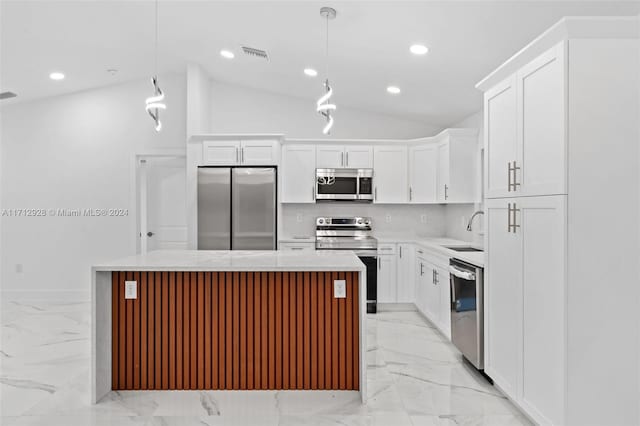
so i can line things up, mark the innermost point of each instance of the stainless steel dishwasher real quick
(467, 310)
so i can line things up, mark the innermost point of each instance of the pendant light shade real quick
(155, 103)
(324, 105)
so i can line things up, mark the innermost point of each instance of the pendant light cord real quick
(327, 46)
(156, 47)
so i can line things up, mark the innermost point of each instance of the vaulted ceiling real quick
(369, 46)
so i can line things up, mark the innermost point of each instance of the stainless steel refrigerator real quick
(236, 208)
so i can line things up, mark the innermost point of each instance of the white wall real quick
(457, 215)
(72, 152)
(238, 109)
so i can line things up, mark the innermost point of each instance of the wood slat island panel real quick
(235, 330)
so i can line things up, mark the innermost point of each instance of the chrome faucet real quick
(471, 220)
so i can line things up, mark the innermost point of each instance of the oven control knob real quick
(359, 221)
(320, 220)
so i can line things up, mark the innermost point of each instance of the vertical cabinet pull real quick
(237, 155)
(313, 193)
(400, 252)
(512, 181)
(342, 159)
(347, 158)
(375, 194)
(446, 192)
(379, 264)
(242, 155)
(512, 224)
(410, 193)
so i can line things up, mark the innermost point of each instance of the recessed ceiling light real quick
(227, 54)
(419, 49)
(394, 90)
(310, 72)
(56, 76)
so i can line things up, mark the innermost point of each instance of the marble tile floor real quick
(415, 378)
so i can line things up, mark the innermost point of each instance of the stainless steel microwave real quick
(344, 185)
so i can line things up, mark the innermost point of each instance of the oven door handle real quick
(465, 275)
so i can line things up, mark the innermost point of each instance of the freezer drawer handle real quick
(465, 275)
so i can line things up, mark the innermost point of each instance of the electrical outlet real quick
(339, 289)
(387, 218)
(130, 289)
(423, 218)
(19, 268)
(299, 217)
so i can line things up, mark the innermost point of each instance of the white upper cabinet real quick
(221, 153)
(298, 173)
(423, 174)
(525, 130)
(541, 125)
(330, 156)
(341, 156)
(457, 154)
(358, 156)
(390, 174)
(240, 152)
(500, 137)
(259, 152)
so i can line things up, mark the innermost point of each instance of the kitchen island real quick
(229, 320)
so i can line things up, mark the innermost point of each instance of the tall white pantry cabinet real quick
(562, 187)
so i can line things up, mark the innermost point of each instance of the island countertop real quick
(236, 260)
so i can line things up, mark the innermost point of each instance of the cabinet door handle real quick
(237, 155)
(509, 216)
(436, 278)
(347, 158)
(509, 176)
(420, 251)
(313, 193)
(242, 155)
(410, 193)
(375, 194)
(400, 252)
(446, 192)
(515, 183)
(421, 269)
(379, 264)
(342, 159)
(515, 225)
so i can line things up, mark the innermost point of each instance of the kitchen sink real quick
(462, 248)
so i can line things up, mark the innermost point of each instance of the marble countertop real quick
(237, 260)
(438, 245)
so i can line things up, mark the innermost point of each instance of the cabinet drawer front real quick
(386, 249)
(298, 246)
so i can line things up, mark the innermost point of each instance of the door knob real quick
(149, 234)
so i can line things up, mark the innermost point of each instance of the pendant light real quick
(154, 103)
(323, 106)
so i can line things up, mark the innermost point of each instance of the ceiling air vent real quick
(255, 52)
(7, 95)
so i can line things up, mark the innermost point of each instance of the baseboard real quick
(48, 295)
(396, 307)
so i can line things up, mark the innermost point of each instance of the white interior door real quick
(162, 203)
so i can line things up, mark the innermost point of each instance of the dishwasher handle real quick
(465, 275)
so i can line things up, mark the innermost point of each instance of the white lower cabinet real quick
(525, 298)
(387, 264)
(405, 273)
(432, 290)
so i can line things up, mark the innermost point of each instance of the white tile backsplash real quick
(299, 219)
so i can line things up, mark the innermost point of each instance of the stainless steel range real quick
(352, 233)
